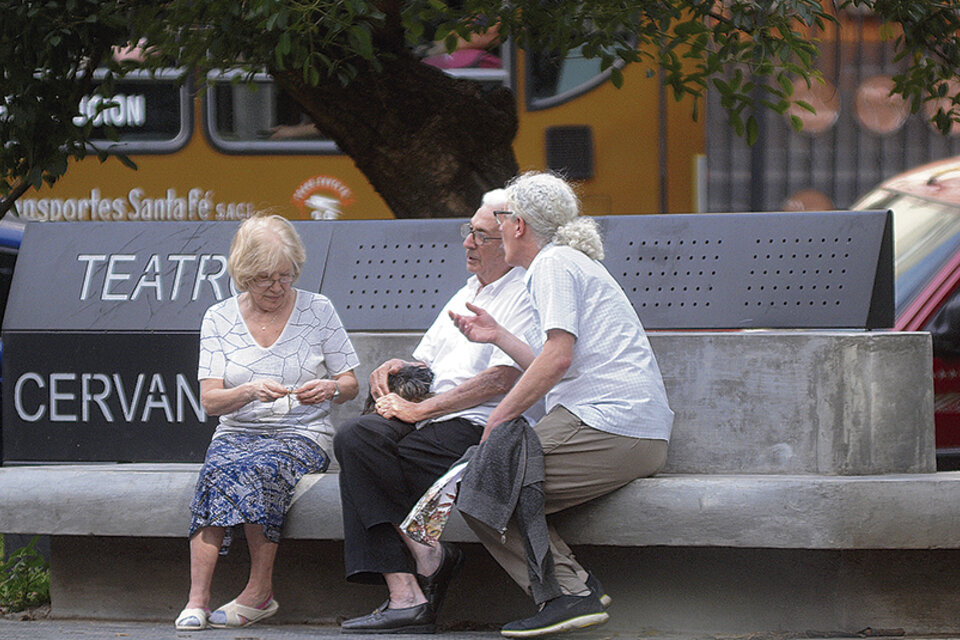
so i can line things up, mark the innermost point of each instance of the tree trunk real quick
(430, 144)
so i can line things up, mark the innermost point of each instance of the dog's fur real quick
(412, 382)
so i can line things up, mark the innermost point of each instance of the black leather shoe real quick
(418, 619)
(434, 586)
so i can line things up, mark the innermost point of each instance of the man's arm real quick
(487, 384)
(481, 327)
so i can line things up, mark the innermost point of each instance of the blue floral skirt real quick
(250, 479)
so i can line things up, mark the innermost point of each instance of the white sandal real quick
(192, 620)
(239, 615)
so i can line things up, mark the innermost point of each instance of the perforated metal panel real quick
(393, 275)
(803, 270)
(697, 271)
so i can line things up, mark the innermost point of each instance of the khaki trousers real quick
(582, 463)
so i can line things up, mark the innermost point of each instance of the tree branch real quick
(7, 202)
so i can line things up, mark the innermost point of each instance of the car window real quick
(944, 328)
(926, 234)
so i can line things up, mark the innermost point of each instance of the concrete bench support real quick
(729, 554)
(799, 494)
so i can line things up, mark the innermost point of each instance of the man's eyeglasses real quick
(479, 237)
(500, 215)
(265, 283)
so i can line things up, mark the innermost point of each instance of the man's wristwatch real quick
(336, 391)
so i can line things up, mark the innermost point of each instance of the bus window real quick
(258, 117)
(553, 79)
(149, 113)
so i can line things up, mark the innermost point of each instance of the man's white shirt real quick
(454, 359)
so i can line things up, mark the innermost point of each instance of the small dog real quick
(412, 382)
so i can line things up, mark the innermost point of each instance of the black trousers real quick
(385, 466)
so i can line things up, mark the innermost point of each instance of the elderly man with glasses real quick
(388, 459)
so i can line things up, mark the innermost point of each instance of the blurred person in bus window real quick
(272, 360)
(607, 422)
(292, 122)
(133, 53)
(479, 51)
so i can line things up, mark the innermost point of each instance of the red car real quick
(926, 221)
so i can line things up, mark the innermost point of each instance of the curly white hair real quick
(550, 206)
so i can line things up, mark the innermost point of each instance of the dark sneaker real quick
(594, 585)
(560, 614)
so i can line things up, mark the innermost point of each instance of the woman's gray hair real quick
(550, 206)
(261, 245)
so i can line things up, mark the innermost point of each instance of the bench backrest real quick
(101, 330)
(694, 271)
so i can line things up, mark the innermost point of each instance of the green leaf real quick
(785, 84)
(616, 76)
(736, 123)
(753, 130)
(360, 39)
(126, 161)
(450, 42)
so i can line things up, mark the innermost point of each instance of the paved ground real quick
(46, 629)
(87, 630)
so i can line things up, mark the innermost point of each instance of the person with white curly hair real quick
(608, 421)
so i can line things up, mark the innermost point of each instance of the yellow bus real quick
(229, 150)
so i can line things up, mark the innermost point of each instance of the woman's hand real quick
(393, 406)
(266, 390)
(317, 391)
(480, 327)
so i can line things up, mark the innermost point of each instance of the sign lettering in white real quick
(128, 276)
(124, 111)
(198, 205)
(77, 397)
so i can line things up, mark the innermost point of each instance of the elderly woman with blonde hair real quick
(272, 360)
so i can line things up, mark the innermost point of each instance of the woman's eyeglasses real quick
(265, 283)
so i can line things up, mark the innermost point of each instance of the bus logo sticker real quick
(322, 198)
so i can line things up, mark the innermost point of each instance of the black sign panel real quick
(101, 338)
(100, 397)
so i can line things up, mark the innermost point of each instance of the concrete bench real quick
(800, 494)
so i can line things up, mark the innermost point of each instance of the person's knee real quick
(364, 432)
(409, 446)
(346, 438)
